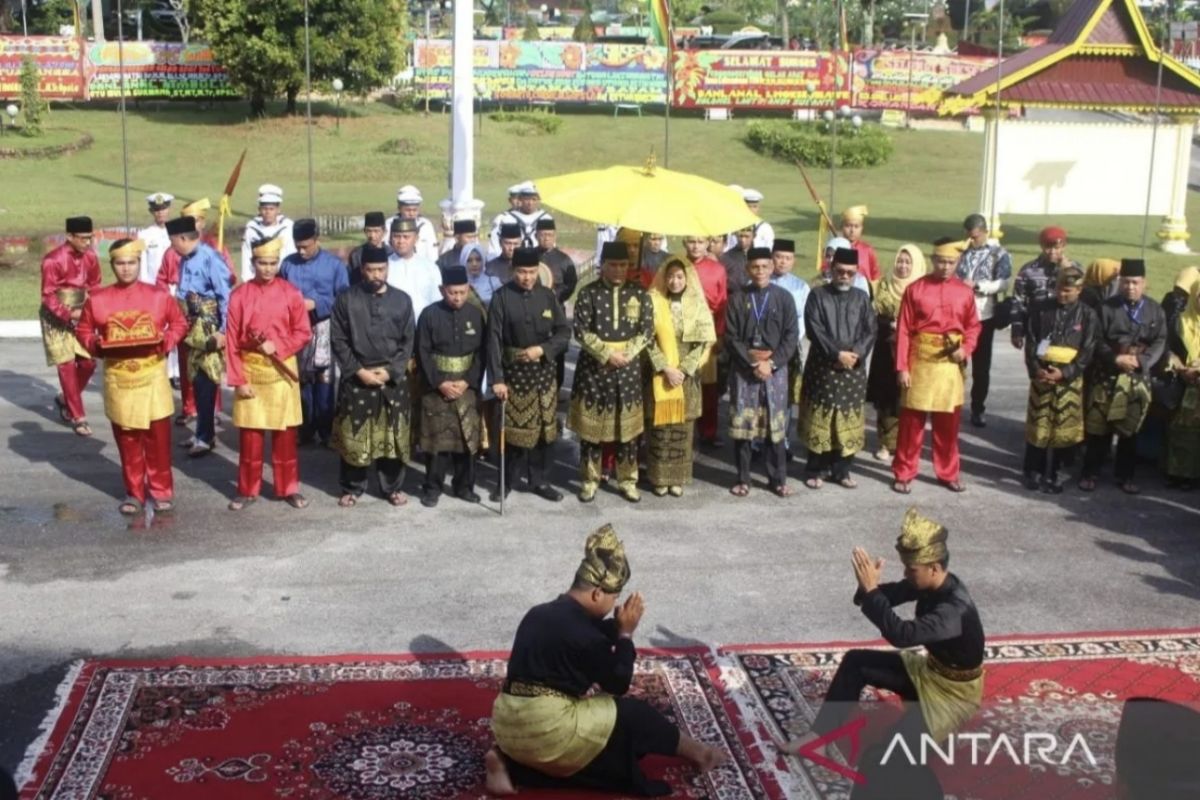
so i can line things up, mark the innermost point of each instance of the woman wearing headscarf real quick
(1176, 301)
(882, 390)
(684, 334)
(1100, 282)
(1183, 441)
(482, 284)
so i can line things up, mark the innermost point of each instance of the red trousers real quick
(146, 460)
(186, 392)
(73, 377)
(284, 463)
(710, 399)
(912, 438)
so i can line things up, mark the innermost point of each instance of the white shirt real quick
(764, 236)
(528, 223)
(256, 229)
(417, 277)
(157, 241)
(427, 236)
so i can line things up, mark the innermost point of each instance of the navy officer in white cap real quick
(408, 206)
(271, 222)
(764, 234)
(155, 236)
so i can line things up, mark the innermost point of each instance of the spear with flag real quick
(224, 209)
(824, 222)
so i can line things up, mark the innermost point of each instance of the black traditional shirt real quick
(558, 645)
(946, 622)
(734, 262)
(562, 268)
(837, 322)
(450, 344)
(1073, 326)
(499, 267)
(1139, 330)
(520, 319)
(762, 319)
(1035, 283)
(369, 329)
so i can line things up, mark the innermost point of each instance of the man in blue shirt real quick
(321, 277)
(204, 290)
(783, 260)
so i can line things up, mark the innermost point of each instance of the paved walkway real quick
(76, 581)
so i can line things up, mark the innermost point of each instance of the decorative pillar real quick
(1172, 232)
(462, 203)
(987, 184)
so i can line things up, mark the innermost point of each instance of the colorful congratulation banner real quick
(903, 80)
(156, 69)
(59, 63)
(760, 79)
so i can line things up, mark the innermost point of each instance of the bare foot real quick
(498, 782)
(710, 758)
(701, 755)
(792, 747)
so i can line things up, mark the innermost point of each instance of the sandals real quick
(163, 506)
(740, 490)
(347, 501)
(814, 483)
(1087, 484)
(955, 486)
(901, 487)
(81, 428)
(296, 500)
(783, 491)
(238, 503)
(1129, 487)
(398, 499)
(130, 507)
(63, 414)
(848, 483)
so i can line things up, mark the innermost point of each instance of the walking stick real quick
(503, 456)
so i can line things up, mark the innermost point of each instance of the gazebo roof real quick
(1100, 57)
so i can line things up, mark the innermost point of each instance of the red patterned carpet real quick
(1065, 686)
(354, 728)
(368, 728)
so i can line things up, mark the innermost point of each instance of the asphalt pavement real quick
(78, 581)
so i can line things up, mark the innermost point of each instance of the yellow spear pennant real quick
(223, 207)
(825, 225)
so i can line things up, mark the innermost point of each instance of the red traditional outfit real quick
(715, 283)
(935, 316)
(168, 278)
(119, 324)
(67, 277)
(868, 261)
(273, 312)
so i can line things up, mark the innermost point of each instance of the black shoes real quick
(548, 492)
(977, 419)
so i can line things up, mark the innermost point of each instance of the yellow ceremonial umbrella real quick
(648, 198)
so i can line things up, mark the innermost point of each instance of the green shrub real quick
(397, 147)
(31, 97)
(533, 120)
(811, 143)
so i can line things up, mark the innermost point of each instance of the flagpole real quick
(308, 110)
(1154, 131)
(670, 88)
(124, 133)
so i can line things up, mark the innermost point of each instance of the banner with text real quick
(157, 69)
(59, 63)
(780, 79)
(903, 80)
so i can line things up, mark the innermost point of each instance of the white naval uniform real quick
(764, 236)
(157, 243)
(256, 229)
(528, 223)
(417, 277)
(427, 236)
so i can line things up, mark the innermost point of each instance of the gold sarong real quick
(945, 704)
(937, 382)
(555, 734)
(137, 391)
(58, 337)
(276, 404)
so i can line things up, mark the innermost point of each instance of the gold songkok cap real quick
(604, 565)
(1070, 277)
(196, 208)
(129, 247)
(949, 250)
(265, 248)
(855, 214)
(922, 541)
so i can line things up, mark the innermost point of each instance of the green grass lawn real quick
(931, 183)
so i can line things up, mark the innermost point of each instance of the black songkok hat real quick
(462, 226)
(79, 224)
(404, 226)
(304, 229)
(510, 230)
(454, 275)
(783, 246)
(525, 257)
(756, 253)
(181, 225)
(1133, 268)
(544, 224)
(845, 255)
(374, 255)
(614, 251)
(374, 219)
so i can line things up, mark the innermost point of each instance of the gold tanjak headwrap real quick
(855, 214)
(949, 250)
(133, 247)
(197, 208)
(604, 565)
(1069, 276)
(266, 248)
(1101, 271)
(921, 541)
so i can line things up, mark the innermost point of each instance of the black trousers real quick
(774, 456)
(981, 367)
(391, 471)
(1045, 462)
(640, 731)
(1097, 451)
(526, 462)
(836, 464)
(896, 780)
(436, 466)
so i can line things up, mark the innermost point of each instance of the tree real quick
(180, 7)
(585, 29)
(261, 44)
(531, 34)
(31, 97)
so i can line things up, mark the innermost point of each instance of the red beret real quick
(1052, 235)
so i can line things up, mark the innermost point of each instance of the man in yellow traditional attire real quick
(550, 732)
(945, 682)
(268, 325)
(132, 326)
